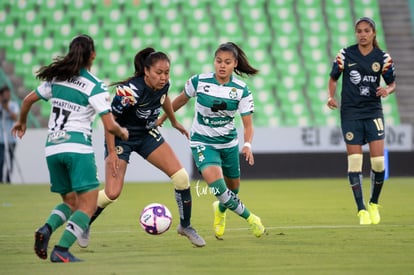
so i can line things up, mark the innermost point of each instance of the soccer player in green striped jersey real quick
(76, 96)
(213, 138)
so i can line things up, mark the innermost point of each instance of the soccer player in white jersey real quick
(213, 138)
(76, 97)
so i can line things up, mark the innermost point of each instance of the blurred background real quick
(291, 42)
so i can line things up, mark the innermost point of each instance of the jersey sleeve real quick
(125, 97)
(388, 69)
(100, 99)
(246, 105)
(338, 65)
(44, 90)
(190, 87)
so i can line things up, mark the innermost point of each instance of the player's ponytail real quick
(145, 58)
(140, 61)
(243, 65)
(81, 49)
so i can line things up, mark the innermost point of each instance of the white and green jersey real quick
(215, 108)
(75, 102)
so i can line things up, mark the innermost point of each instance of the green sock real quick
(229, 199)
(77, 223)
(59, 216)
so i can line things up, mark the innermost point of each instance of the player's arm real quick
(332, 104)
(112, 127)
(169, 112)
(19, 128)
(248, 137)
(111, 160)
(180, 101)
(385, 91)
(176, 104)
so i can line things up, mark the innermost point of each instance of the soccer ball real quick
(155, 219)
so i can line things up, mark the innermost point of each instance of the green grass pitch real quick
(312, 228)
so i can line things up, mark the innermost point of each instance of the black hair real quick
(372, 24)
(3, 89)
(243, 65)
(63, 68)
(145, 58)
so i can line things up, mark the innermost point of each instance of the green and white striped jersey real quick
(215, 108)
(75, 103)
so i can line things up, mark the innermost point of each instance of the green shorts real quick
(72, 172)
(227, 159)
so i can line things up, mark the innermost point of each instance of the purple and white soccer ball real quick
(155, 219)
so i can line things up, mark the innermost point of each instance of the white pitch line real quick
(246, 228)
(327, 226)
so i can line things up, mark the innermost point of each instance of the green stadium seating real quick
(292, 43)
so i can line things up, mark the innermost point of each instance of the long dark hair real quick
(63, 68)
(243, 65)
(145, 58)
(372, 24)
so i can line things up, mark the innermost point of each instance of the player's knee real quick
(377, 164)
(104, 200)
(181, 180)
(355, 163)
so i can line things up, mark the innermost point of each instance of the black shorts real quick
(143, 145)
(362, 131)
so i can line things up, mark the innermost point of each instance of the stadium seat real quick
(292, 43)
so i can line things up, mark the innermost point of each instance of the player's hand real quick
(382, 92)
(332, 104)
(19, 129)
(248, 155)
(182, 130)
(159, 122)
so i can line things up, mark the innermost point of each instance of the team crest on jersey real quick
(349, 136)
(162, 99)
(233, 93)
(376, 67)
(119, 150)
(200, 153)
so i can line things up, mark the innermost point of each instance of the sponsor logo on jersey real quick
(370, 78)
(354, 77)
(206, 88)
(76, 81)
